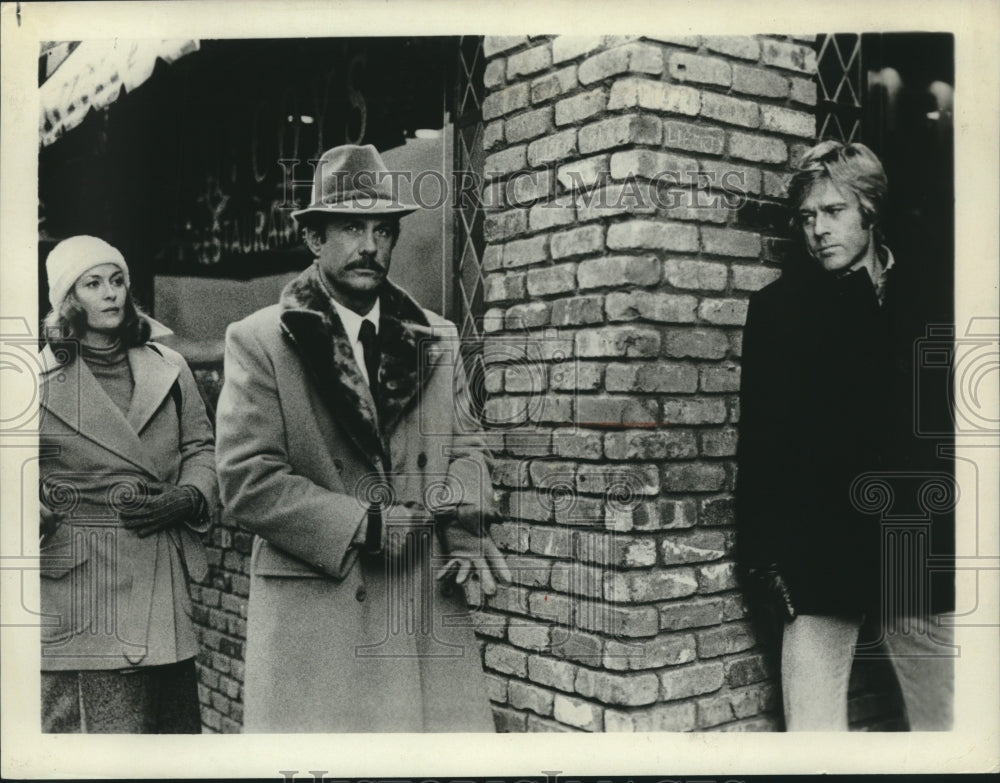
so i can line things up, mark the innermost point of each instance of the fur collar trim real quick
(310, 321)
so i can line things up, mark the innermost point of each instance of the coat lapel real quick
(313, 326)
(318, 335)
(405, 364)
(154, 377)
(74, 395)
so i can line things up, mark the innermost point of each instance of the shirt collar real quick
(890, 259)
(884, 261)
(882, 272)
(878, 275)
(352, 320)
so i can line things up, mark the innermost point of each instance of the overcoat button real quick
(361, 594)
(421, 460)
(339, 465)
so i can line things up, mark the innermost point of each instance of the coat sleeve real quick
(469, 459)
(763, 478)
(260, 490)
(197, 445)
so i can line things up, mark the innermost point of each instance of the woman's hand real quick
(48, 522)
(165, 506)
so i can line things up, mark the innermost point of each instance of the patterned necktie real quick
(369, 342)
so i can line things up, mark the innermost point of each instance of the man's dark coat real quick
(827, 444)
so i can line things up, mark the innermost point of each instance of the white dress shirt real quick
(352, 325)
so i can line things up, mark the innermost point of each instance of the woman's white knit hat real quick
(74, 256)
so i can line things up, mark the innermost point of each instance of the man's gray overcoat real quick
(339, 641)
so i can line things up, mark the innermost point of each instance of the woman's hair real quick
(70, 322)
(851, 166)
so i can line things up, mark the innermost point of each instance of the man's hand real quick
(401, 523)
(48, 522)
(467, 552)
(469, 517)
(165, 506)
(774, 590)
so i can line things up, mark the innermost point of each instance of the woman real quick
(127, 484)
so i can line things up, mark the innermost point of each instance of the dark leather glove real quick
(774, 590)
(48, 522)
(164, 507)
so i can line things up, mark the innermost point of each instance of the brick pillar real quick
(634, 202)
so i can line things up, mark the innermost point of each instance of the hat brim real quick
(359, 207)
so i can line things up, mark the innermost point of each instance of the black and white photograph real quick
(382, 373)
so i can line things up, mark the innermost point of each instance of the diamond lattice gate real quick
(841, 89)
(467, 271)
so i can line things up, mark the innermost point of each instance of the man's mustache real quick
(372, 266)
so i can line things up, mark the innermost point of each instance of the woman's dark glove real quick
(48, 522)
(164, 507)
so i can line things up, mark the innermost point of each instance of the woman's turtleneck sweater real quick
(111, 368)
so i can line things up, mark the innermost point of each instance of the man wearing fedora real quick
(346, 444)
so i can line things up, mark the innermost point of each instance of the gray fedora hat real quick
(353, 179)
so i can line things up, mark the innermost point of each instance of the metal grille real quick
(469, 158)
(841, 91)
